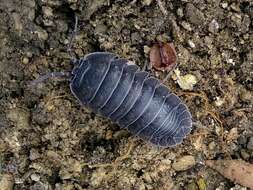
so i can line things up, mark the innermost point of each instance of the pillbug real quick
(133, 99)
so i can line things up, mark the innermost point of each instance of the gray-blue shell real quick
(131, 98)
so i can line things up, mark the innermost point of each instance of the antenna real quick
(47, 76)
(61, 73)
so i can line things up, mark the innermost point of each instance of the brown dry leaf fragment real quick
(163, 56)
(237, 171)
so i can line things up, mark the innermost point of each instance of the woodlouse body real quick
(132, 98)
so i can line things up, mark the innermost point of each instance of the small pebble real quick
(186, 26)
(180, 12)
(185, 82)
(47, 11)
(219, 101)
(191, 44)
(146, 50)
(237, 19)
(246, 95)
(184, 163)
(238, 187)
(25, 60)
(245, 155)
(17, 22)
(34, 154)
(235, 7)
(212, 145)
(232, 134)
(218, 130)
(224, 5)
(213, 26)
(35, 177)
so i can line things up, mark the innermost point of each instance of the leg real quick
(47, 76)
(146, 66)
(168, 74)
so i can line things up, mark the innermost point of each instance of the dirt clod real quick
(184, 163)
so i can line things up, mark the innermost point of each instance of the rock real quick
(184, 163)
(17, 23)
(185, 82)
(25, 60)
(180, 12)
(232, 134)
(212, 145)
(237, 19)
(250, 144)
(186, 26)
(146, 50)
(224, 5)
(191, 44)
(213, 26)
(47, 11)
(219, 101)
(34, 154)
(245, 95)
(42, 34)
(245, 23)
(238, 187)
(198, 143)
(235, 7)
(194, 15)
(6, 182)
(35, 177)
(245, 155)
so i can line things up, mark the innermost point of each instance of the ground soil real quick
(49, 141)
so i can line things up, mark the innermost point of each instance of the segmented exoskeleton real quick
(136, 101)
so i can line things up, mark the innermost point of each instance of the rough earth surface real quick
(49, 141)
